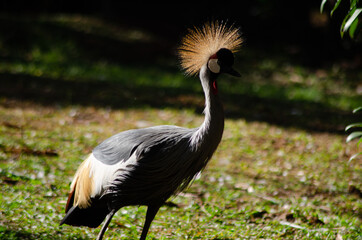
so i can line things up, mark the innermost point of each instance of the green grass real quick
(281, 171)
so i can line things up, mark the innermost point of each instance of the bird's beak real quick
(232, 72)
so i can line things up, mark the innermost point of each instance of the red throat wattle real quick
(214, 87)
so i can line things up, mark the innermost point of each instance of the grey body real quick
(157, 163)
(168, 157)
(156, 175)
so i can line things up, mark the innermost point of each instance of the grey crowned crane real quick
(147, 166)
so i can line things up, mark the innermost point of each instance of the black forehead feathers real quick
(225, 57)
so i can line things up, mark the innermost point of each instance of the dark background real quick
(295, 28)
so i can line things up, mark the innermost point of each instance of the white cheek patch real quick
(213, 65)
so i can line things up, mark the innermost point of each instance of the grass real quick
(281, 171)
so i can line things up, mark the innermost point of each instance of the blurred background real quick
(113, 41)
(298, 29)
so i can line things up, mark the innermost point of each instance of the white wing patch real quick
(103, 175)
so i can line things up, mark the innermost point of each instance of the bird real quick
(145, 167)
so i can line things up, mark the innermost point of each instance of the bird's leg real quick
(151, 213)
(106, 223)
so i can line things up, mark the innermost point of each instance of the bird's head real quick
(222, 62)
(212, 45)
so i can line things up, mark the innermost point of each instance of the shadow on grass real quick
(10, 234)
(61, 45)
(46, 91)
(76, 38)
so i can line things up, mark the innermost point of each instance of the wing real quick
(137, 153)
(121, 146)
(161, 164)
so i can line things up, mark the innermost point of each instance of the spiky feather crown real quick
(201, 43)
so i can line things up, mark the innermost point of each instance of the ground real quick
(280, 172)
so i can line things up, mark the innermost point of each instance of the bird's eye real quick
(213, 65)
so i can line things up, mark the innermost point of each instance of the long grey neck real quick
(211, 130)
